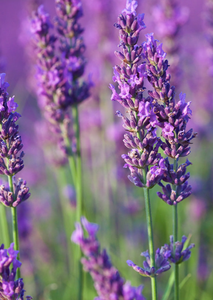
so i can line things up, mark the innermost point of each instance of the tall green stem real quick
(78, 164)
(14, 224)
(150, 237)
(71, 158)
(78, 186)
(66, 214)
(4, 227)
(175, 237)
(176, 266)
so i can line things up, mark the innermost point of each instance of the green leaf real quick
(169, 287)
(184, 281)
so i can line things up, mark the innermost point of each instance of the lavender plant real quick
(60, 85)
(10, 288)
(107, 280)
(58, 78)
(11, 161)
(145, 115)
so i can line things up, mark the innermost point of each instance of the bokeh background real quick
(109, 198)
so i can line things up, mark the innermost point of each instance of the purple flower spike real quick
(141, 121)
(172, 117)
(178, 255)
(10, 288)
(60, 67)
(161, 264)
(107, 280)
(11, 156)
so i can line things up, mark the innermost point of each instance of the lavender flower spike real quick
(11, 159)
(60, 68)
(10, 289)
(161, 264)
(141, 120)
(107, 280)
(179, 255)
(172, 117)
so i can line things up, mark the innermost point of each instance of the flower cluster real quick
(169, 18)
(172, 118)
(141, 122)
(159, 109)
(10, 289)
(161, 264)
(107, 280)
(72, 48)
(11, 160)
(177, 178)
(59, 71)
(174, 251)
(21, 192)
(50, 71)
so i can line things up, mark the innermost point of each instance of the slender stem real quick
(78, 186)
(176, 266)
(175, 237)
(78, 164)
(4, 226)
(150, 237)
(14, 224)
(66, 214)
(71, 158)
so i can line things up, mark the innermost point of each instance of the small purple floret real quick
(161, 264)
(178, 255)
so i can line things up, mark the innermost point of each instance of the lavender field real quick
(106, 135)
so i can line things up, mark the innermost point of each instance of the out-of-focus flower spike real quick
(11, 156)
(107, 280)
(10, 288)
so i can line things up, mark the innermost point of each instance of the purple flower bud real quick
(11, 105)
(178, 255)
(155, 174)
(77, 235)
(161, 264)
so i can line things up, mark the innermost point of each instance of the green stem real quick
(78, 165)
(175, 237)
(4, 226)
(79, 199)
(71, 158)
(150, 237)
(14, 224)
(66, 214)
(176, 266)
